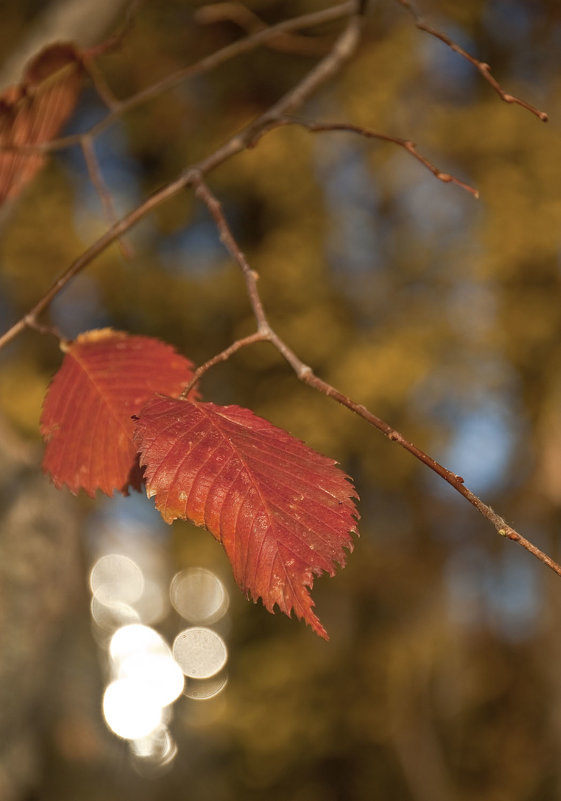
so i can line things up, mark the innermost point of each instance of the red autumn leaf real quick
(34, 111)
(105, 378)
(283, 512)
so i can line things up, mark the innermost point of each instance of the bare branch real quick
(245, 45)
(251, 23)
(116, 39)
(100, 85)
(97, 180)
(262, 37)
(406, 144)
(89, 255)
(227, 238)
(49, 330)
(223, 356)
(307, 376)
(342, 50)
(482, 67)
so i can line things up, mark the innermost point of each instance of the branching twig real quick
(99, 83)
(219, 57)
(368, 133)
(49, 330)
(276, 115)
(342, 50)
(96, 178)
(251, 23)
(227, 238)
(223, 356)
(307, 376)
(481, 66)
(226, 53)
(116, 39)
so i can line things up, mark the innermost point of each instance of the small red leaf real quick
(34, 111)
(283, 512)
(105, 378)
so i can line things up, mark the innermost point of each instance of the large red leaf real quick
(283, 512)
(34, 111)
(105, 378)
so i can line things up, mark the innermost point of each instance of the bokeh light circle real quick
(200, 652)
(129, 710)
(199, 596)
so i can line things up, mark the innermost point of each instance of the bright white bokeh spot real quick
(205, 689)
(111, 616)
(154, 753)
(200, 652)
(129, 710)
(141, 655)
(136, 638)
(116, 578)
(153, 604)
(199, 596)
(160, 673)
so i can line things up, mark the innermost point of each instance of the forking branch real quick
(194, 176)
(341, 51)
(305, 373)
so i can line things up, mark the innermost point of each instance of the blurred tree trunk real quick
(39, 574)
(40, 565)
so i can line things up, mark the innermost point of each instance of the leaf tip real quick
(317, 627)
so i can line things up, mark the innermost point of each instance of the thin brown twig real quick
(100, 85)
(49, 330)
(368, 133)
(342, 50)
(305, 373)
(216, 59)
(96, 178)
(99, 246)
(227, 238)
(237, 48)
(316, 127)
(223, 356)
(116, 39)
(248, 20)
(481, 66)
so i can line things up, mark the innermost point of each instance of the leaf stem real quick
(307, 376)
(222, 357)
(275, 116)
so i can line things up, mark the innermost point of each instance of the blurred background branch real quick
(81, 21)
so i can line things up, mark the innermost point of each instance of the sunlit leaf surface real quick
(105, 378)
(283, 512)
